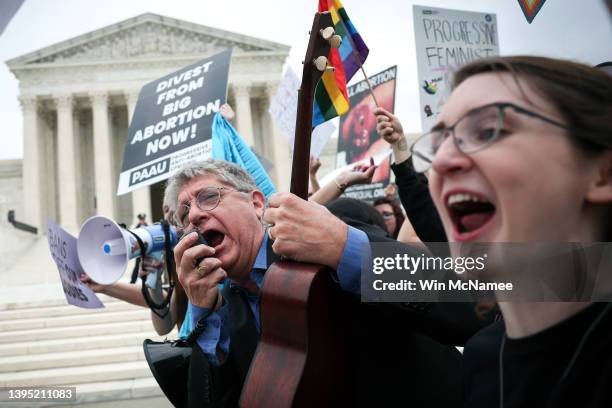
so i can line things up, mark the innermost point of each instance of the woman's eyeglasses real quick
(474, 131)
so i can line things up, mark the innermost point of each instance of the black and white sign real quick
(172, 122)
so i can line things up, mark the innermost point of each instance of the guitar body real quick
(301, 359)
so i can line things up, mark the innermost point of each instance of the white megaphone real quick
(105, 248)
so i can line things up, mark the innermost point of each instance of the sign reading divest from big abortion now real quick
(445, 40)
(172, 122)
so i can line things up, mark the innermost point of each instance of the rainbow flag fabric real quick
(331, 99)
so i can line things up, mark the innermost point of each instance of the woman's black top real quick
(533, 366)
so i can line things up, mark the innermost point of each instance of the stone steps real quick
(76, 331)
(63, 310)
(75, 375)
(32, 302)
(70, 359)
(45, 342)
(77, 320)
(81, 343)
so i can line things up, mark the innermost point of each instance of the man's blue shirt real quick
(216, 332)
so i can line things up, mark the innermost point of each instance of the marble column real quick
(103, 157)
(32, 170)
(66, 164)
(280, 150)
(244, 119)
(141, 198)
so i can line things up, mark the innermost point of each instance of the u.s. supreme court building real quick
(77, 97)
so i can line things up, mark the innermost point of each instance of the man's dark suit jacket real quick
(403, 353)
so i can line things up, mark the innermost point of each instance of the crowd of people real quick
(521, 152)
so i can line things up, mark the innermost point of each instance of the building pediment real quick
(148, 36)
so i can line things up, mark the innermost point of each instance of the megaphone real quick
(104, 248)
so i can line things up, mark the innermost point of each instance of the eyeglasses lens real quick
(472, 132)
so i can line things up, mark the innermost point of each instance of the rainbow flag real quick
(331, 99)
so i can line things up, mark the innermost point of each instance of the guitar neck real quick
(317, 46)
(301, 146)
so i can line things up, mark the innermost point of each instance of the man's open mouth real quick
(469, 212)
(213, 237)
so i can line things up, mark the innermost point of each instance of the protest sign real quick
(172, 122)
(63, 247)
(283, 110)
(445, 40)
(358, 139)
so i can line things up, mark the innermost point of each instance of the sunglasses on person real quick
(474, 131)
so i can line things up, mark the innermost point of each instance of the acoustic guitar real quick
(300, 359)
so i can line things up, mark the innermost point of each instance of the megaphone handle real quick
(145, 292)
(156, 306)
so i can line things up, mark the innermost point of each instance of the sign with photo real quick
(358, 140)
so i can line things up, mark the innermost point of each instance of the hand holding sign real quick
(64, 252)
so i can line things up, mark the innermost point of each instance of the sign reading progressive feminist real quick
(172, 122)
(63, 247)
(358, 140)
(445, 40)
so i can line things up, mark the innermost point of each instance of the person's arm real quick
(416, 200)
(451, 323)
(359, 175)
(179, 302)
(119, 290)
(412, 187)
(308, 232)
(162, 325)
(391, 191)
(390, 129)
(315, 164)
(132, 293)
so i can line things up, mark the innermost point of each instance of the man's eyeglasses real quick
(207, 199)
(474, 131)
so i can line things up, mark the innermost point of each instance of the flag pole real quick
(360, 64)
(369, 84)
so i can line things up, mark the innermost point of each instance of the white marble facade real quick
(77, 97)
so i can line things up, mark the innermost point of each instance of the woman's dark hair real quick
(397, 212)
(582, 94)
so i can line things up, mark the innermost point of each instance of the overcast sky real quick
(579, 30)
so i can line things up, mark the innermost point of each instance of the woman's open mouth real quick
(469, 213)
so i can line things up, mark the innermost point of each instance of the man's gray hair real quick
(226, 172)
